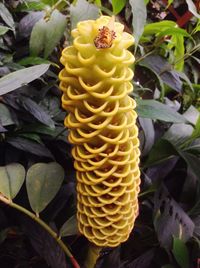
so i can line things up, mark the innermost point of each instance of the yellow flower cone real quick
(102, 122)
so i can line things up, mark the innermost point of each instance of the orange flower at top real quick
(104, 38)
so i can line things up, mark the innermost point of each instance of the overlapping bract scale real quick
(102, 122)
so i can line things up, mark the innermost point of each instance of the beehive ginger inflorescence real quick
(96, 82)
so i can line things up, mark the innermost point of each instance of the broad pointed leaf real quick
(156, 110)
(54, 31)
(5, 116)
(139, 17)
(18, 78)
(180, 252)
(43, 182)
(118, 5)
(11, 179)
(6, 16)
(82, 10)
(70, 227)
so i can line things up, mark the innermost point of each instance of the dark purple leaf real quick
(190, 194)
(170, 219)
(196, 208)
(142, 261)
(109, 258)
(193, 162)
(30, 147)
(11, 100)
(149, 134)
(4, 70)
(27, 22)
(158, 172)
(34, 109)
(2, 129)
(164, 70)
(44, 244)
(197, 226)
(3, 219)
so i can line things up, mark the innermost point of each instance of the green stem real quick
(42, 224)
(188, 54)
(58, 3)
(92, 256)
(144, 56)
(147, 192)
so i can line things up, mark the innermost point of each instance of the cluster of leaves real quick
(36, 168)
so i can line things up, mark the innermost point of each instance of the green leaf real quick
(196, 132)
(5, 116)
(54, 31)
(118, 5)
(29, 6)
(179, 52)
(3, 30)
(7, 17)
(157, 27)
(192, 8)
(11, 179)
(47, 34)
(174, 31)
(49, 2)
(180, 253)
(70, 227)
(156, 110)
(184, 77)
(98, 3)
(139, 11)
(17, 79)
(33, 61)
(197, 28)
(82, 11)
(178, 134)
(43, 182)
(161, 151)
(31, 136)
(37, 39)
(40, 128)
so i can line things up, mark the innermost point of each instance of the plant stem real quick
(58, 3)
(92, 256)
(44, 225)
(188, 54)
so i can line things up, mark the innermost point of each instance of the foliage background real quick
(36, 168)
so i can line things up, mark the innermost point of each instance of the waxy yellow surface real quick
(102, 123)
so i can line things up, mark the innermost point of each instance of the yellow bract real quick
(102, 122)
